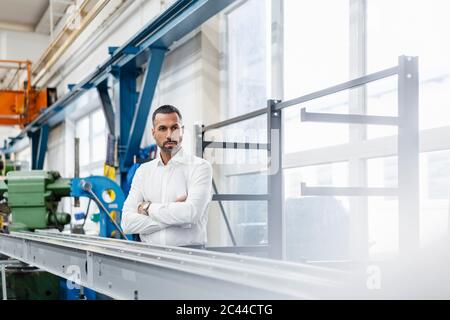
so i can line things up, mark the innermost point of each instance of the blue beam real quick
(111, 50)
(39, 141)
(126, 107)
(107, 106)
(143, 106)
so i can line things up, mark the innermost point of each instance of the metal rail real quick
(132, 270)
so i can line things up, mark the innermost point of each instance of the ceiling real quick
(22, 14)
(31, 15)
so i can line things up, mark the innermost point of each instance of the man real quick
(169, 195)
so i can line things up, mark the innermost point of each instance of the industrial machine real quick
(33, 198)
(30, 201)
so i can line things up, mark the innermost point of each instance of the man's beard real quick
(174, 146)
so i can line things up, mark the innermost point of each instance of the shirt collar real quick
(179, 157)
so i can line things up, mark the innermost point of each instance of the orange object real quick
(20, 104)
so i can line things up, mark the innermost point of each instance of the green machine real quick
(30, 199)
(33, 197)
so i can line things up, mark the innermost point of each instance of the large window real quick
(411, 27)
(414, 27)
(316, 45)
(246, 58)
(316, 51)
(316, 56)
(328, 42)
(91, 131)
(245, 79)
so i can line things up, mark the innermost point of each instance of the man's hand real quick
(143, 207)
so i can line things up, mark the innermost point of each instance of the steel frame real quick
(39, 140)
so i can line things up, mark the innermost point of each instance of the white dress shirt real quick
(169, 222)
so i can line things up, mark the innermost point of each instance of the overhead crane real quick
(20, 102)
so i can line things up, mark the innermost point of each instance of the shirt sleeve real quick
(132, 221)
(194, 207)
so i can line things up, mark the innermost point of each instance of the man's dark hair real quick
(167, 108)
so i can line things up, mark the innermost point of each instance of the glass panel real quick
(414, 27)
(247, 57)
(383, 211)
(316, 45)
(82, 132)
(383, 227)
(382, 101)
(334, 174)
(248, 220)
(317, 227)
(300, 136)
(435, 193)
(98, 122)
(99, 147)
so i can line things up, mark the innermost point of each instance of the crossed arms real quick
(162, 215)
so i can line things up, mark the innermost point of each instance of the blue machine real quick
(108, 196)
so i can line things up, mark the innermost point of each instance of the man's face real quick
(167, 131)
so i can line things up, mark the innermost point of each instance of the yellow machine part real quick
(110, 172)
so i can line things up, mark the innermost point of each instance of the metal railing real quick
(408, 154)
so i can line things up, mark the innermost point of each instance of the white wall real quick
(17, 45)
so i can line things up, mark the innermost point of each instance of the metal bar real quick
(14, 263)
(235, 249)
(250, 262)
(143, 106)
(107, 105)
(198, 140)
(39, 147)
(408, 154)
(76, 202)
(275, 186)
(347, 118)
(4, 292)
(123, 270)
(126, 112)
(234, 145)
(224, 215)
(86, 186)
(340, 87)
(42, 148)
(240, 197)
(228, 122)
(350, 191)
